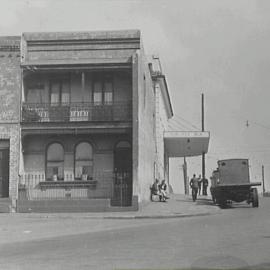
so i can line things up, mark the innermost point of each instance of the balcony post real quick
(83, 84)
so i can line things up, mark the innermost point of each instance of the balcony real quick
(76, 112)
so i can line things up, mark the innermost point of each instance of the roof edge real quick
(80, 35)
(166, 94)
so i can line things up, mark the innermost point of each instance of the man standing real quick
(194, 184)
(199, 184)
(205, 185)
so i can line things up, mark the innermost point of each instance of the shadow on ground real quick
(205, 201)
(219, 262)
(229, 205)
(235, 205)
(226, 262)
(199, 201)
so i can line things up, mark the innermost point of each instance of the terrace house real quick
(85, 122)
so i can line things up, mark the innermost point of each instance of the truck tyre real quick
(222, 203)
(255, 197)
(213, 199)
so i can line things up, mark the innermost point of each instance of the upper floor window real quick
(103, 90)
(35, 92)
(60, 91)
(108, 92)
(55, 162)
(97, 95)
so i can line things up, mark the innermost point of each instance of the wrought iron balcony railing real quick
(76, 112)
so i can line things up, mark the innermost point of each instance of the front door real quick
(122, 191)
(4, 173)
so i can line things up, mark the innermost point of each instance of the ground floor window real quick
(55, 162)
(83, 161)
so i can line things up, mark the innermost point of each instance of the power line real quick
(260, 125)
(249, 122)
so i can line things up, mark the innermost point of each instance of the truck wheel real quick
(255, 197)
(222, 203)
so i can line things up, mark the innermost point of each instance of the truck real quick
(231, 182)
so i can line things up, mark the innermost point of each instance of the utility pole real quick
(203, 154)
(263, 179)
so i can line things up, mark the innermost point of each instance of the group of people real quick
(197, 184)
(160, 189)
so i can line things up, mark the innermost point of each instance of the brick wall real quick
(10, 105)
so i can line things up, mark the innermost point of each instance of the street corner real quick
(178, 206)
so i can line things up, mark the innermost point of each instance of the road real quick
(237, 238)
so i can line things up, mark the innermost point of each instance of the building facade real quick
(82, 122)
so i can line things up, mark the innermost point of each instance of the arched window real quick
(83, 161)
(55, 162)
(123, 144)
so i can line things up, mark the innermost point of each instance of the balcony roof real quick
(76, 128)
(79, 63)
(186, 143)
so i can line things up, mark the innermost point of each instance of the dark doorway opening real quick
(4, 169)
(122, 186)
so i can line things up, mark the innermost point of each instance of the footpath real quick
(176, 207)
(21, 227)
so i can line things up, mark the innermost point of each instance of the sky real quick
(219, 48)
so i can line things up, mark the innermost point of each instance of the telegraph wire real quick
(248, 122)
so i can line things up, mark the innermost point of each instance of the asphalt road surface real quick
(238, 238)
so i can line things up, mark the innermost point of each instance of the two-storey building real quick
(83, 118)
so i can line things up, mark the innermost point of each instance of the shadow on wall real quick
(170, 189)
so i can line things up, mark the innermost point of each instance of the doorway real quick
(4, 169)
(122, 186)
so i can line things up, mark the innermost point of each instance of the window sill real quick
(68, 184)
